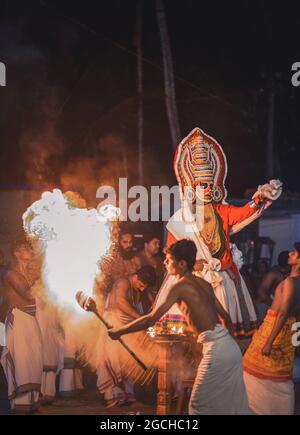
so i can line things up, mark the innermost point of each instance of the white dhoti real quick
(268, 397)
(22, 359)
(47, 321)
(70, 382)
(219, 386)
(112, 382)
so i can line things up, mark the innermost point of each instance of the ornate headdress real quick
(199, 157)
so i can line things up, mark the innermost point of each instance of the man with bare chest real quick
(272, 278)
(22, 357)
(219, 386)
(121, 307)
(268, 362)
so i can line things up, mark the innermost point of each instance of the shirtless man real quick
(122, 306)
(219, 386)
(273, 278)
(268, 362)
(22, 356)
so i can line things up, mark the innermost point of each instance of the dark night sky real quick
(69, 111)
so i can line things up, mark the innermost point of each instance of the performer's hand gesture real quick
(267, 203)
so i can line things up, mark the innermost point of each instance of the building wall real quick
(283, 230)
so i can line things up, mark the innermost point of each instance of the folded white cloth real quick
(268, 397)
(219, 386)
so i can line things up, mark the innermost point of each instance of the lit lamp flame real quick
(165, 329)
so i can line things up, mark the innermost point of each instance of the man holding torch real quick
(120, 308)
(219, 387)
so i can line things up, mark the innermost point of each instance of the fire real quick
(74, 241)
(165, 330)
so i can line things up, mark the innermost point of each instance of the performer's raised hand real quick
(267, 203)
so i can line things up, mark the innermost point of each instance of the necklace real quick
(210, 226)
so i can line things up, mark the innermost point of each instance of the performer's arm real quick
(150, 319)
(239, 214)
(282, 315)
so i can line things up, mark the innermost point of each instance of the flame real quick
(180, 330)
(74, 240)
(167, 330)
(151, 332)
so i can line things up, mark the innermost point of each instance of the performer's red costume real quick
(201, 168)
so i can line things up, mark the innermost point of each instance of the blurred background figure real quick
(3, 302)
(149, 256)
(22, 355)
(4, 403)
(269, 282)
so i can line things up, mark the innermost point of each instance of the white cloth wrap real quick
(219, 386)
(267, 397)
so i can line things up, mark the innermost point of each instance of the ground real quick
(89, 403)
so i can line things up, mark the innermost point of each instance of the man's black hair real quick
(283, 258)
(184, 249)
(147, 275)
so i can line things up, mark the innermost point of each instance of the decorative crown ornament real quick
(200, 158)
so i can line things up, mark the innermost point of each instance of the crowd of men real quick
(37, 348)
(37, 344)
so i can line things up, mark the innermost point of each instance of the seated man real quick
(268, 362)
(219, 387)
(22, 357)
(121, 307)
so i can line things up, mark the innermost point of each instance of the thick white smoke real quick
(74, 242)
